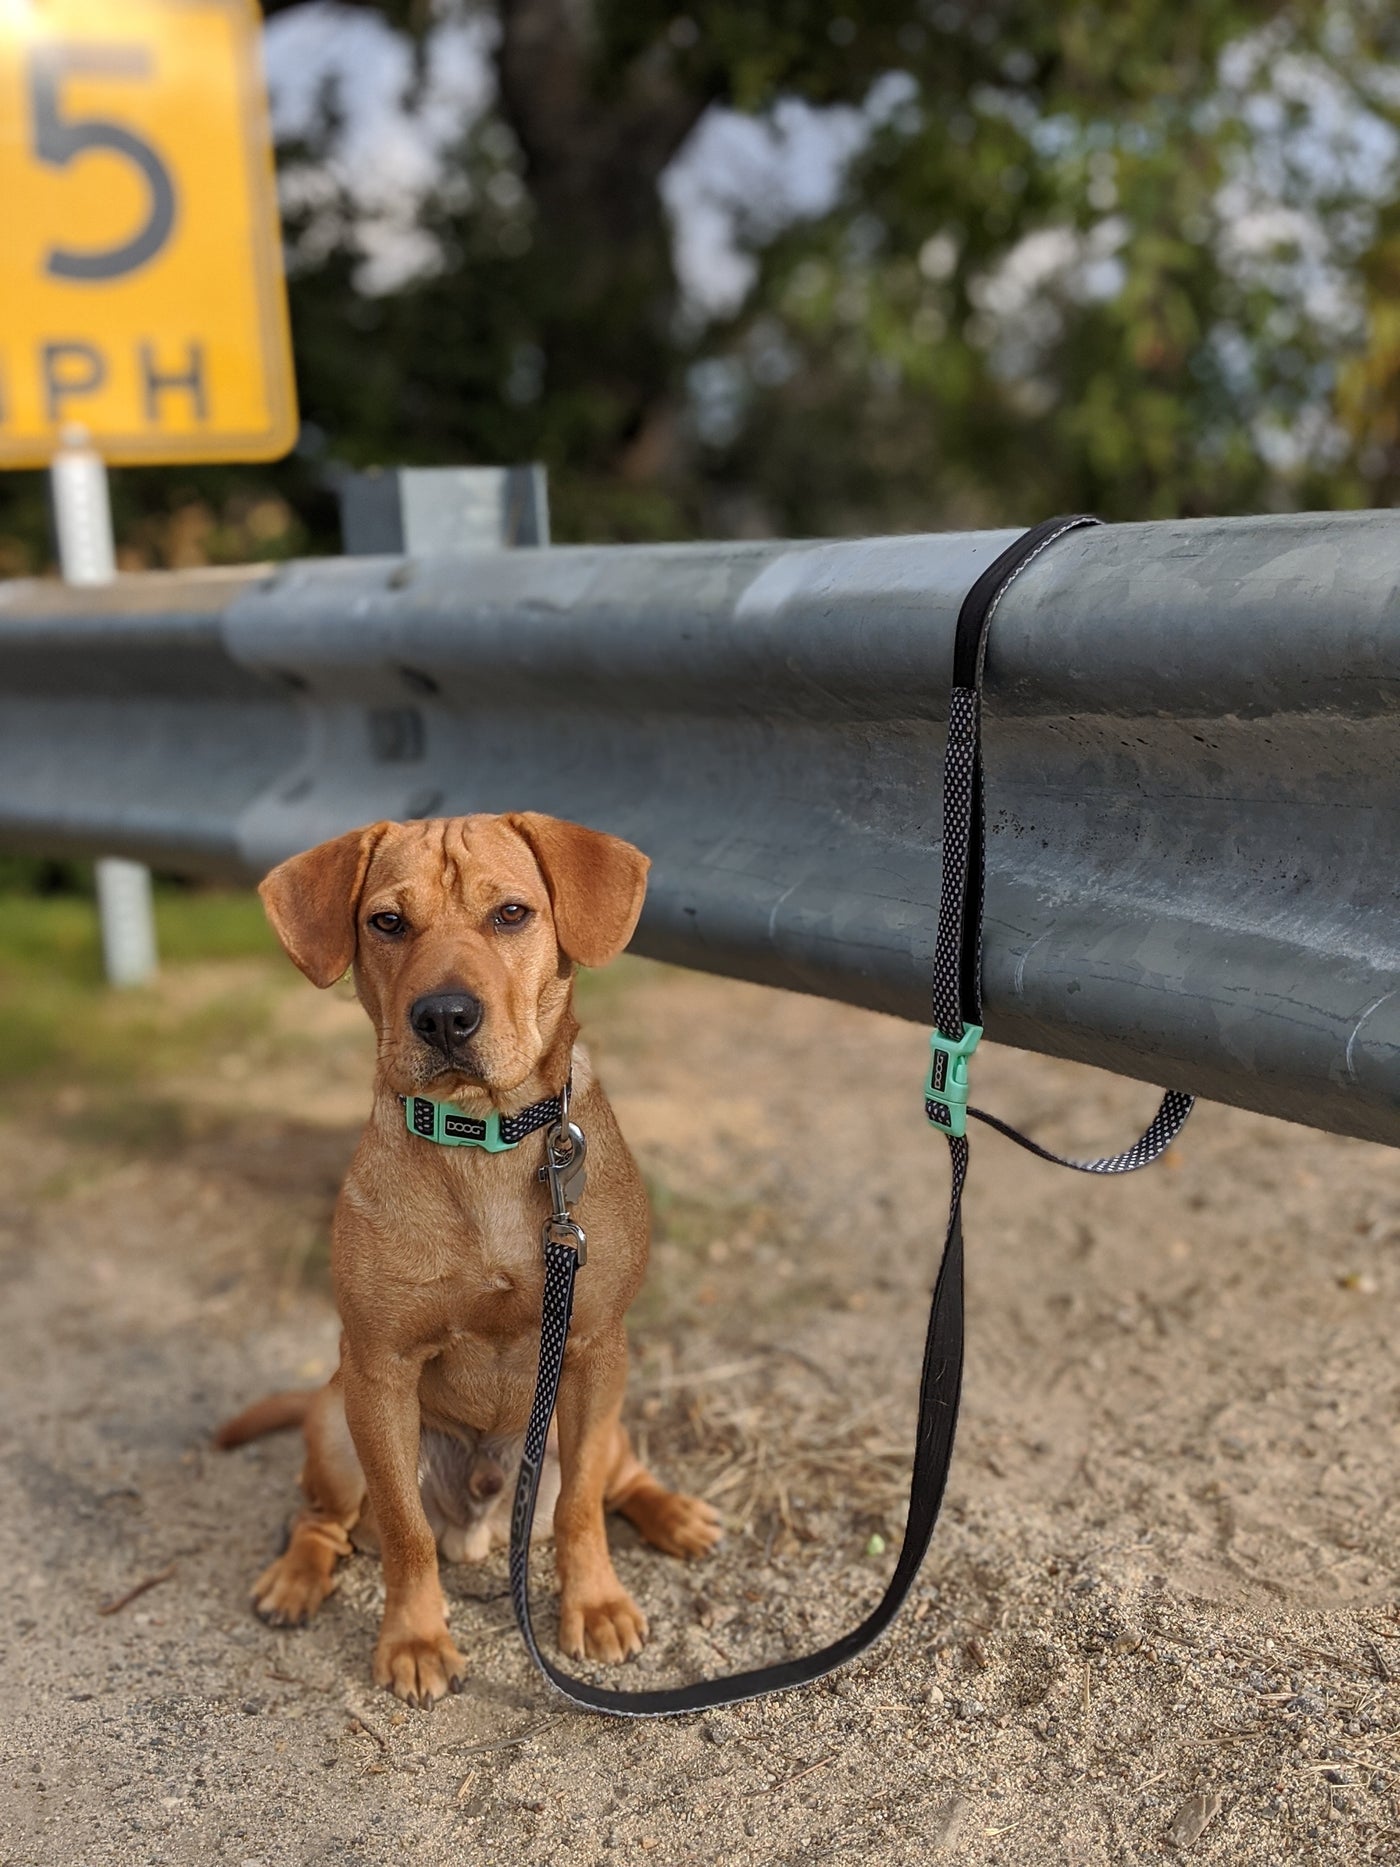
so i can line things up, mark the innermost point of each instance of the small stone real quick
(251, 1707)
(934, 1695)
(946, 1828)
(717, 1730)
(1193, 1818)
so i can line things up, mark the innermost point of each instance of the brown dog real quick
(464, 935)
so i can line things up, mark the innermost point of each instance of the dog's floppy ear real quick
(596, 884)
(311, 900)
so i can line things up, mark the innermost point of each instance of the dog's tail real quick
(270, 1415)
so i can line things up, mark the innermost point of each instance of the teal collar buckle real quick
(946, 1087)
(495, 1133)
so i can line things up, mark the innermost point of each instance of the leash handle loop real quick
(938, 1412)
(957, 962)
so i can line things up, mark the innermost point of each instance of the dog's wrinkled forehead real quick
(450, 870)
(452, 864)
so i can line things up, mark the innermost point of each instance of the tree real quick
(1136, 258)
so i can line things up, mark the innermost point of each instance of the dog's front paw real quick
(419, 1669)
(611, 1629)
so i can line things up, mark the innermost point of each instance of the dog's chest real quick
(482, 1315)
(492, 1279)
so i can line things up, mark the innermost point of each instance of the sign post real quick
(82, 519)
(142, 304)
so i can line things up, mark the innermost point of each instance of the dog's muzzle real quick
(446, 1021)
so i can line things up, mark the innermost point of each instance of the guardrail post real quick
(82, 513)
(411, 510)
(126, 911)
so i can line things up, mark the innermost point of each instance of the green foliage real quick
(61, 1025)
(213, 924)
(1113, 257)
(42, 875)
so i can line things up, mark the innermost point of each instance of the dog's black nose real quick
(446, 1019)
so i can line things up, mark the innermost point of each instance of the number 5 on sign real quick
(141, 294)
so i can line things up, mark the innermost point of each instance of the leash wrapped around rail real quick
(957, 1012)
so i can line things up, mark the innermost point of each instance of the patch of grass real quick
(49, 936)
(58, 933)
(219, 924)
(61, 1026)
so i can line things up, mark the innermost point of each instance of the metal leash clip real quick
(565, 1150)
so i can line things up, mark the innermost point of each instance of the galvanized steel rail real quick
(1193, 741)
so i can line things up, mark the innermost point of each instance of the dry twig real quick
(134, 1594)
(503, 1743)
(361, 1723)
(774, 1789)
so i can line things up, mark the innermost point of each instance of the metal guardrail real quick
(1193, 741)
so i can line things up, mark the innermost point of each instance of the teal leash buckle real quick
(946, 1087)
(449, 1127)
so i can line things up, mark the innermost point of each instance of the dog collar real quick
(446, 1124)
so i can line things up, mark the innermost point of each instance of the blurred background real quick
(748, 270)
(792, 269)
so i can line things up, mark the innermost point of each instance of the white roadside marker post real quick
(86, 555)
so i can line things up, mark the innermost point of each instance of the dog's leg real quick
(597, 1617)
(289, 1592)
(415, 1656)
(669, 1520)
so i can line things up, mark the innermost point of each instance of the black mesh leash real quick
(957, 1007)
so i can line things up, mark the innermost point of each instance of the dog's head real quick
(463, 932)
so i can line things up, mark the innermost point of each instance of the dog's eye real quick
(513, 914)
(387, 923)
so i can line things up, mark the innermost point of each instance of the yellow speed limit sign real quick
(141, 293)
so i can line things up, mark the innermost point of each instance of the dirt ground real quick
(1160, 1613)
